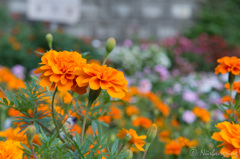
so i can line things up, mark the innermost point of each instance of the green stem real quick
(120, 150)
(231, 103)
(85, 119)
(146, 149)
(105, 60)
(3, 117)
(53, 111)
(34, 154)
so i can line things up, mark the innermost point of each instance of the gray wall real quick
(124, 18)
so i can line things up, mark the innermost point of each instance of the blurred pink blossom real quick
(190, 96)
(19, 71)
(188, 116)
(145, 86)
(163, 72)
(127, 43)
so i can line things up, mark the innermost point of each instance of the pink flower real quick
(190, 96)
(127, 43)
(145, 86)
(19, 71)
(163, 72)
(188, 116)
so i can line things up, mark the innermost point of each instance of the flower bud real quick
(93, 94)
(127, 137)
(49, 39)
(130, 154)
(151, 134)
(31, 132)
(110, 45)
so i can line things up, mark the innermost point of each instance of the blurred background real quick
(192, 33)
(166, 47)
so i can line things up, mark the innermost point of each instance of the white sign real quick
(55, 11)
(181, 11)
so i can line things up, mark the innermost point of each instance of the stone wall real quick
(124, 18)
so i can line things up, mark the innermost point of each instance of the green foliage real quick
(218, 18)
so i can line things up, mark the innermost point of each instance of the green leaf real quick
(94, 126)
(114, 147)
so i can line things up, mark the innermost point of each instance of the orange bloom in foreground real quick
(203, 114)
(228, 64)
(103, 77)
(229, 135)
(138, 141)
(173, 148)
(59, 70)
(142, 121)
(10, 150)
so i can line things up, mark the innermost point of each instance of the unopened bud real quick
(31, 132)
(93, 94)
(110, 45)
(130, 154)
(49, 39)
(127, 137)
(151, 134)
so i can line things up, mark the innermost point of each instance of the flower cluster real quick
(69, 71)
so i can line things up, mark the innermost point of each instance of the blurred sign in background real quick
(54, 11)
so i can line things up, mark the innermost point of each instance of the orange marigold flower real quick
(229, 136)
(103, 77)
(10, 150)
(203, 114)
(186, 142)
(151, 96)
(66, 96)
(138, 141)
(228, 64)
(59, 69)
(11, 80)
(75, 128)
(16, 135)
(236, 86)
(173, 147)
(115, 113)
(227, 99)
(192, 143)
(90, 131)
(142, 121)
(160, 122)
(132, 110)
(229, 112)
(164, 135)
(175, 123)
